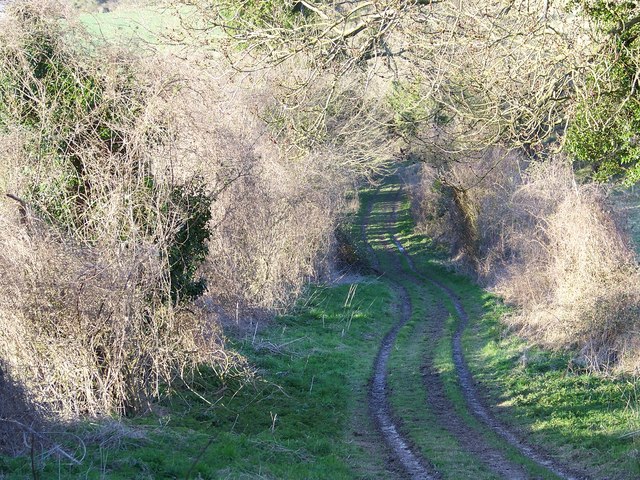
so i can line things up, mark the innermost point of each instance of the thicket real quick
(100, 243)
(155, 197)
(550, 245)
(152, 199)
(279, 191)
(489, 121)
(306, 137)
(488, 113)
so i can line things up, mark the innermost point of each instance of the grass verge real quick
(303, 415)
(581, 419)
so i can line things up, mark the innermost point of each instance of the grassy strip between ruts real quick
(415, 343)
(580, 418)
(408, 395)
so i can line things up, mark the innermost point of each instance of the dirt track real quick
(470, 440)
(406, 457)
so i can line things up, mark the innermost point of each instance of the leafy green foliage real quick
(605, 132)
(262, 14)
(611, 14)
(612, 148)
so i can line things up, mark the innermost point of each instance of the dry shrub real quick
(19, 416)
(429, 205)
(88, 332)
(461, 204)
(269, 226)
(275, 237)
(574, 272)
(278, 194)
(99, 257)
(553, 248)
(140, 182)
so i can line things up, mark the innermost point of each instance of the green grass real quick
(408, 395)
(414, 345)
(581, 418)
(131, 25)
(410, 398)
(584, 417)
(304, 416)
(147, 26)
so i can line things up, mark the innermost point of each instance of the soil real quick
(404, 456)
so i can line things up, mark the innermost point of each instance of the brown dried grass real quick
(87, 323)
(88, 331)
(576, 277)
(553, 248)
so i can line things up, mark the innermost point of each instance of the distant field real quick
(158, 27)
(132, 24)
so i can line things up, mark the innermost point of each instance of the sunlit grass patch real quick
(131, 25)
(301, 415)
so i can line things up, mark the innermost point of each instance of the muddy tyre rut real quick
(404, 453)
(404, 457)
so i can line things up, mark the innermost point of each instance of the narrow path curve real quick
(470, 440)
(467, 384)
(411, 462)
